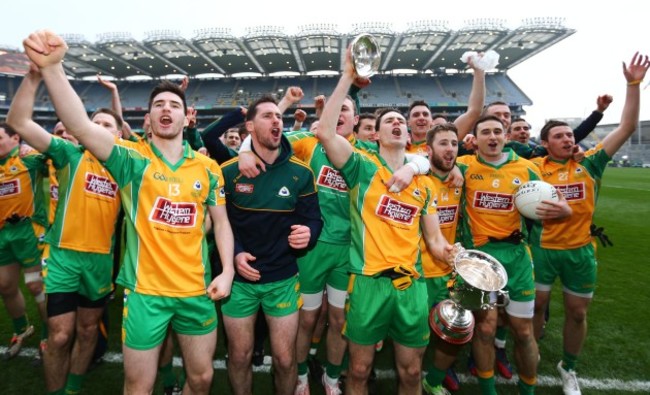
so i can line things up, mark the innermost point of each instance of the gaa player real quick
(167, 190)
(22, 221)
(564, 248)
(79, 267)
(386, 296)
(490, 223)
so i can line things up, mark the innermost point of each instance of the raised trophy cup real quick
(366, 55)
(476, 284)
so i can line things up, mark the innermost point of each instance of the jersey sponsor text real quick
(179, 215)
(572, 191)
(99, 185)
(447, 214)
(395, 210)
(493, 201)
(9, 188)
(331, 178)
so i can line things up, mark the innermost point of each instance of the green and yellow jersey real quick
(447, 202)
(88, 200)
(579, 182)
(165, 206)
(488, 207)
(21, 187)
(385, 225)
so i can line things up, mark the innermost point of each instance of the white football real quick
(531, 194)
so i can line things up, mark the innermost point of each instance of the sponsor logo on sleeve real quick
(100, 185)
(572, 191)
(244, 188)
(331, 178)
(175, 214)
(396, 211)
(493, 201)
(9, 188)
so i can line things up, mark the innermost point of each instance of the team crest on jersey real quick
(447, 214)
(417, 193)
(177, 215)
(13, 170)
(578, 170)
(9, 188)
(197, 185)
(329, 177)
(244, 188)
(572, 191)
(394, 210)
(516, 181)
(284, 192)
(54, 192)
(493, 201)
(99, 185)
(457, 191)
(222, 192)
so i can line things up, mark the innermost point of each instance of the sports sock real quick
(20, 324)
(500, 338)
(569, 361)
(73, 383)
(333, 371)
(167, 374)
(435, 376)
(486, 382)
(303, 368)
(526, 385)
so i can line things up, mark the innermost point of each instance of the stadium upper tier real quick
(426, 47)
(448, 93)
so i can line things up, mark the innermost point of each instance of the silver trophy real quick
(366, 55)
(476, 284)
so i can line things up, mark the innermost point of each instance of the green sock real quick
(44, 331)
(73, 384)
(525, 389)
(333, 371)
(345, 364)
(487, 386)
(181, 378)
(167, 374)
(20, 324)
(57, 392)
(500, 338)
(302, 368)
(569, 361)
(435, 376)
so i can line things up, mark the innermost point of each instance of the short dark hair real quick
(381, 112)
(8, 129)
(438, 115)
(365, 115)
(167, 86)
(494, 103)
(486, 118)
(443, 127)
(118, 119)
(252, 109)
(418, 103)
(546, 129)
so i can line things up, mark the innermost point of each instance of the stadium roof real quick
(426, 46)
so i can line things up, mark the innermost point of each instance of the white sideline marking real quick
(387, 374)
(625, 187)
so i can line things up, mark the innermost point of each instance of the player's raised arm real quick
(20, 113)
(338, 148)
(465, 122)
(634, 75)
(47, 50)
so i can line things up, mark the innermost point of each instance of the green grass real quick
(617, 347)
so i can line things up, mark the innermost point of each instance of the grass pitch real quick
(617, 347)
